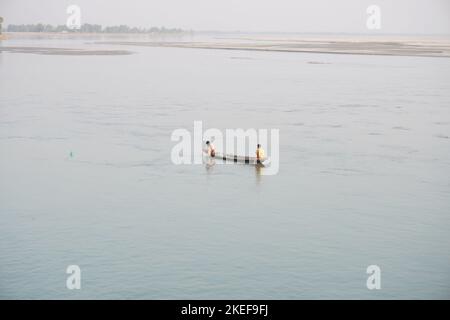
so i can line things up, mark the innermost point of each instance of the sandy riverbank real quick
(64, 51)
(422, 46)
(425, 47)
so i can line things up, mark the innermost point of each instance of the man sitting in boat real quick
(259, 154)
(211, 150)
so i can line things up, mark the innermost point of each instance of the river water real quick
(86, 176)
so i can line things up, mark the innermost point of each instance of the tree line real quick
(88, 28)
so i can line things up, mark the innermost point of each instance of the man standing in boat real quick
(211, 150)
(259, 154)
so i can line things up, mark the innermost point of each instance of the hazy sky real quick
(397, 16)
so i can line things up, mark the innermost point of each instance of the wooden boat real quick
(239, 159)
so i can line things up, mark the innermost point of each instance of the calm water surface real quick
(86, 176)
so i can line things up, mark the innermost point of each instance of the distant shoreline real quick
(430, 47)
(418, 46)
(12, 35)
